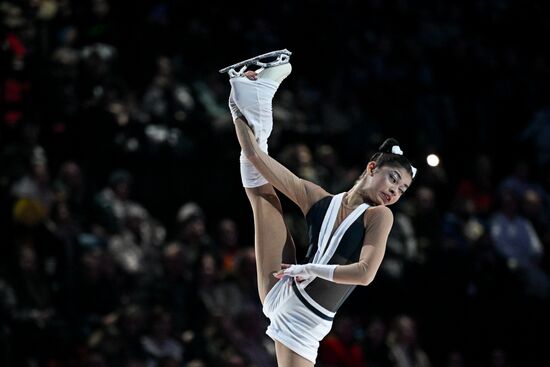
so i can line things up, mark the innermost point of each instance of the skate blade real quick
(283, 56)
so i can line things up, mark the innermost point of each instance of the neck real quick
(352, 198)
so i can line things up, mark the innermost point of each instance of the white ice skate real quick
(253, 98)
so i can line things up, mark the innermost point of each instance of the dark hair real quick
(384, 156)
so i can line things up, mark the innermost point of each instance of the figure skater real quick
(347, 232)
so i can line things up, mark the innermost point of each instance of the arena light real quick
(433, 160)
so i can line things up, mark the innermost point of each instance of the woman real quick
(347, 232)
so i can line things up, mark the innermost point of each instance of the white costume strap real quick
(326, 227)
(340, 231)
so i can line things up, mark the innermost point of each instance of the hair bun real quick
(387, 145)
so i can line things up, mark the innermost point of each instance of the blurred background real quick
(126, 236)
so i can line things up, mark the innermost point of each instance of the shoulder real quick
(380, 211)
(378, 215)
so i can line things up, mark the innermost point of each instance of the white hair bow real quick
(396, 150)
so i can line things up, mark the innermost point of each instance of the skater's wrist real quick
(322, 271)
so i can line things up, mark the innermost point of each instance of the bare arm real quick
(379, 223)
(301, 192)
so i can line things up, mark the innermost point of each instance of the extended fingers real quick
(284, 271)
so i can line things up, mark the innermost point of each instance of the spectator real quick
(220, 296)
(340, 348)
(191, 231)
(36, 185)
(119, 338)
(517, 242)
(173, 288)
(136, 249)
(404, 347)
(111, 203)
(166, 100)
(35, 310)
(158, 343)
(478, 187)
(70, 187)
(426, 222)
(98, 289)
(228, 244)
(376, 350)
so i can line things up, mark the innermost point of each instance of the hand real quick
(300, 272)
(306, 271)
(251, 74)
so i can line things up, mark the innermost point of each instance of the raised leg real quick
(250, 100)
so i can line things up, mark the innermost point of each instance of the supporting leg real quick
(273, 243)
(288, 358)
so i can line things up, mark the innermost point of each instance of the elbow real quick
(367, 279)
(367, 273)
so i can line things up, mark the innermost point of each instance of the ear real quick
(368, 170)
(370, 167)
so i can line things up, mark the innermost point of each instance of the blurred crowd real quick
(126, 236)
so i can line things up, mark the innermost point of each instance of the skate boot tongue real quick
(276, 73)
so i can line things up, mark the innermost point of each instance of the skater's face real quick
(383, 185)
